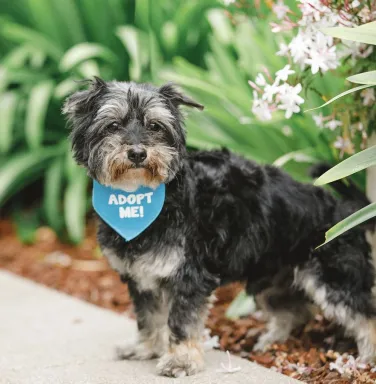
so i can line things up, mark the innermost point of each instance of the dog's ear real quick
(84, 101)
(171, 93)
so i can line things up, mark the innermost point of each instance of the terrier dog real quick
(224, 218)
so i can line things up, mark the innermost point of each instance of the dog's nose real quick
(137, 155)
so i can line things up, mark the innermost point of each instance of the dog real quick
(225, 218)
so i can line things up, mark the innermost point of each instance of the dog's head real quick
(127, 134)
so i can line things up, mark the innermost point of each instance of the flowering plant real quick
(310, 52)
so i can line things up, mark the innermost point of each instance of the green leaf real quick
(364, 34)
(69, 20)
(36, 112)
(43, 19)
(297, 156)
(353, 164)
(17, 57)
(8, 107)
(85, 51)
(352, 221)
(23, 168)
(170, 36)
(27, 223)
(65, 88)
(243, 305)
(142, 14)
(339, 96)
(364, 78)
(136, 44)
(53, 193)
(21, 34)
(221, 25)
(75, 206)
(89, 69)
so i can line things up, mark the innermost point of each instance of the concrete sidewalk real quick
(50, 338)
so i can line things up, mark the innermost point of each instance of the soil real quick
(81, 271)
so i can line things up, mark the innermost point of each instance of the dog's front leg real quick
(152, 311)
(186, 321)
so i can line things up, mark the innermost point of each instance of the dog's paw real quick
(182, 360)
(137, 351)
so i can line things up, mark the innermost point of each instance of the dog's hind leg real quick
(343, 291)
(286, 308)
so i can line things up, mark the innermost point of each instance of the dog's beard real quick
(118, 172)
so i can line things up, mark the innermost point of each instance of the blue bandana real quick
(128, 213)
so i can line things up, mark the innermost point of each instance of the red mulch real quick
(82, 272)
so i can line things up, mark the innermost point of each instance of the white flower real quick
(368, 96)
(345, 145)
(312, 10)
(280, 9)
(260, 80)
(261, 108)
(347, 365)
(283, 50)
(284, 73)
(319, 120)
(228, 2)
(323, 59)
(355, 4)
(333, 124)
(298, 48)
(289, 99)
(270, 91)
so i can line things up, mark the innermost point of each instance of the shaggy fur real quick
(225, 218)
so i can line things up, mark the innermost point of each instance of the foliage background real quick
(207, 48)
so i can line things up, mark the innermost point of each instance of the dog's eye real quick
(113, 126)
(155, 127)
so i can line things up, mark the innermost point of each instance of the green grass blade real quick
(36, 112)
(8, 107)
(352, 90)
(75, 206)
(352, 221)
(353, 164)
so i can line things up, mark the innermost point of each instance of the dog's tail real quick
(347, 189)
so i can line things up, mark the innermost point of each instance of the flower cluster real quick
(275, 94)
(309, 51)
(347, 365)
(310, 47)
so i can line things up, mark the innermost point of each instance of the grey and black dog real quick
(224, 218)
